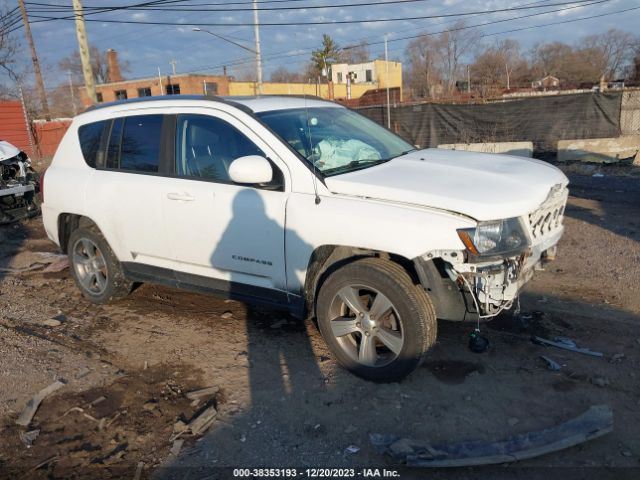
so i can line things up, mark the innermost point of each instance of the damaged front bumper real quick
(19, 186)
(463, 286)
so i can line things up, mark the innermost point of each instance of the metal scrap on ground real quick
(595, 422)
(566, 344)
(32, 405)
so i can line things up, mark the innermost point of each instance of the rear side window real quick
(90, 136)
(140, 144)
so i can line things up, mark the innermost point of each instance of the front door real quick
(224, 235)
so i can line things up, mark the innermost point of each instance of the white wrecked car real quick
(302, 205)
(18, 185)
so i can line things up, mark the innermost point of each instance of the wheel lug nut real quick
(358, 325)
(367, 333)
(361, 314)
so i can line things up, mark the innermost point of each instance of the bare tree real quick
(424, 75)
(549, 58)
(456, 44)
(99, 65)
(282, 75)
(612, 51)
(8, 48)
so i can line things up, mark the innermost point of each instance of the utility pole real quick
(160, 82)
(256, 29)
(36, 64)
(386, 62)
(468, 79)
(83, 45)
(173, 64)
(73, 97)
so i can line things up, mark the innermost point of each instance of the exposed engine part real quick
(19, 185)
(493, 288)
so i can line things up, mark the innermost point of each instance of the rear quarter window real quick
(90, 136)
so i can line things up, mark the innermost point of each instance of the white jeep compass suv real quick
(303, 205)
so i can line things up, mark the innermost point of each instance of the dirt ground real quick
(283, 401)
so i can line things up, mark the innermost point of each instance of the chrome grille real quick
(548, 217)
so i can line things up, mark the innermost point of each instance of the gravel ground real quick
(282, 400)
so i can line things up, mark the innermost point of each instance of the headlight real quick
(495, 237)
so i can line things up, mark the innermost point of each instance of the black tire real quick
(411, 309)
(115, 283)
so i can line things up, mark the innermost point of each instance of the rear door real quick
(126, 190)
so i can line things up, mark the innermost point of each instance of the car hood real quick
(481, 186)
(7, 150)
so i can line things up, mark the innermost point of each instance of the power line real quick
(466, 27)
(198, 7)
(327, 22)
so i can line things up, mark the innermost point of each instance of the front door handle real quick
(184, 197)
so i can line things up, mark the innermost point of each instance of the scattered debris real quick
(179, 427)
(598, 175)
(44, 463)
(566, 344)
(352, 449)
(83, 373)
(150, 405)
(97, 401)
(551, 364)
(51, 322)
(139, 469)
(176, 447)
(227, 314)
(600, 381)
(202, 422)
(32, 405)
(203, 392)
(29, 437)
(595, 422)
(198, 395)
(279, 324)
(78, 409)
(350, 429)
(616, 357)
(57, 266)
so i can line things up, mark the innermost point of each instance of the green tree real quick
(324, 57)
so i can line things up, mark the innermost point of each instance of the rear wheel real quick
(377, 323)
(95, 268)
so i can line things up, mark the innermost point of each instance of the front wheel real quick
(377, 323)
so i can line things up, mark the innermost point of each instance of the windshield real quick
(335, 140)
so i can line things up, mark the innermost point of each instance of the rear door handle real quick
(184, 197)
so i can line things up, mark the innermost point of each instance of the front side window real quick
(134, 143)
(206, 146)
(335, 140)
(89, 136)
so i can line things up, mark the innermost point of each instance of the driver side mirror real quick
(251, 169)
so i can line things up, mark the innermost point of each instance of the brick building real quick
(186, 84)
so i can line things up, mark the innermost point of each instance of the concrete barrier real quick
(599, 150)
(521, 149)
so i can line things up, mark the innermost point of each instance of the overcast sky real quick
(147, 47)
